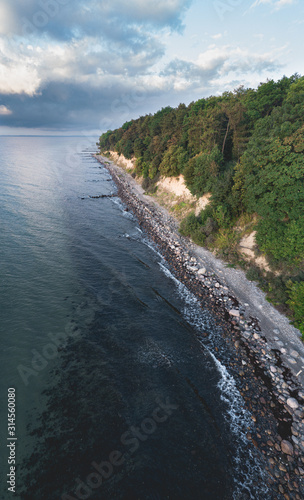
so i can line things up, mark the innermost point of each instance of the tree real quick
(202, 170)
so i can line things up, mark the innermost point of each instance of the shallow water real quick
(117, 395)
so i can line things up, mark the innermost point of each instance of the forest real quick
(245, 147)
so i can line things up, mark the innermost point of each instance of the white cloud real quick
(218, 65)
(4, 111)
(18, 71)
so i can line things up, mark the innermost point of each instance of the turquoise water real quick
(95, 340)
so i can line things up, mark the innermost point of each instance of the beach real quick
(261, 350)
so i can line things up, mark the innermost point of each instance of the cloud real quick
(69, 19)
(18, 70)
(277, 4)
(217, 62)
(63, 62)
(86, 85)
(4, 111)
(78, 105)
(70, 64)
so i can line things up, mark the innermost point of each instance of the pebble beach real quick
(260, 350)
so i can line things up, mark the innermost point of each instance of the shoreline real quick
(261, 350)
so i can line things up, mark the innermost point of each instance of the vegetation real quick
(245, 148)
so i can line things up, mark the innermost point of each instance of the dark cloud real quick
(72, 64)
(70, 19)
(76, 106)
(194, 72)
(87, 103)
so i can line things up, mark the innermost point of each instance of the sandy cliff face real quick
(122, 161)
(171, 191)
(247, 246)
(174, 195)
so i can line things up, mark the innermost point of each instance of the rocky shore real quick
(265, 357)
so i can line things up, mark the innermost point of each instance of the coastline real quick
(262, 351)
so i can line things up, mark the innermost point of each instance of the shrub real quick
(149, 185)
(191, 227)
(189, 224)
(210, 226)
(226, 240)
(202, 170)
(146, 183)
(296, 303)
(284, 241)
(253, 273)
(205, 214)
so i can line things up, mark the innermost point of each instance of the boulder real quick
(202, 270)
(287, 447)
(235, 313)
(293, 403)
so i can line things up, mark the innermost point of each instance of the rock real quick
(234, 312)
(294, 354)
(293, 403)
(291, 360)
(202, 270)
(273, 369)
(286, 447)
(295, 440)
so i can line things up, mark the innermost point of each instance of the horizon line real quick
(38, 135)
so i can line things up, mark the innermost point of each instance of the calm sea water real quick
(117, 397)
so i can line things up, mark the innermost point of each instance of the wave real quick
(250, 477)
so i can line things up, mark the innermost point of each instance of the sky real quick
(86, 66)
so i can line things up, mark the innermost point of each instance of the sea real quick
(108, 390)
